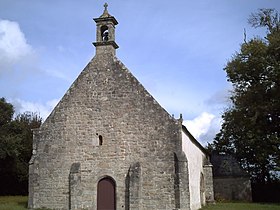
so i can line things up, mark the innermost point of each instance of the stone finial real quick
(181, 118)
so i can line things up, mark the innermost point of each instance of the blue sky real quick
(176, 49)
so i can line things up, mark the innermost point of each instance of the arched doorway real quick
(106, 194)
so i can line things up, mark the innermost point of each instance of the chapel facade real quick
(108, 144)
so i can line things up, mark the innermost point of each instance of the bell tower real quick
(105, 33)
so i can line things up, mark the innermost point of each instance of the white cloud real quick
(43, 110)
(204, 127)
(213, 129)
(13, 45)
(200, 124)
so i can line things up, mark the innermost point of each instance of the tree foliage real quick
(15, 148)
(251, 126)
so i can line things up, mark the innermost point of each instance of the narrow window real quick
(100, 140)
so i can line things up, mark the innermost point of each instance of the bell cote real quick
(105, 33)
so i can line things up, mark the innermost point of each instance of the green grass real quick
(13, 202)
(20, 203)
(242, 206)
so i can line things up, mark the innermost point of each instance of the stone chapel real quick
(108, 144)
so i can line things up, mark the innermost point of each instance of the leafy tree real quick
(15, 148)
(251, 126)
(6, 112)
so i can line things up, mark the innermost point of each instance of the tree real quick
(251, 126)
(15, 148)
(6, 112)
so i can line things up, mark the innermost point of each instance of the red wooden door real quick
(106, 194)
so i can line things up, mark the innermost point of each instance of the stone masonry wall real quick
(209, 190)
(231, 182)
(105, 103)
(232, 188)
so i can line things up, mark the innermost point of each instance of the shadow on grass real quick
(241, 206)
(23, 203)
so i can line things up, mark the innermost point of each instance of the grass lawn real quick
(13, 202)
(242, 206)
(20, 203)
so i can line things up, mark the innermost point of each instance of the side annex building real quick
(108, 144)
